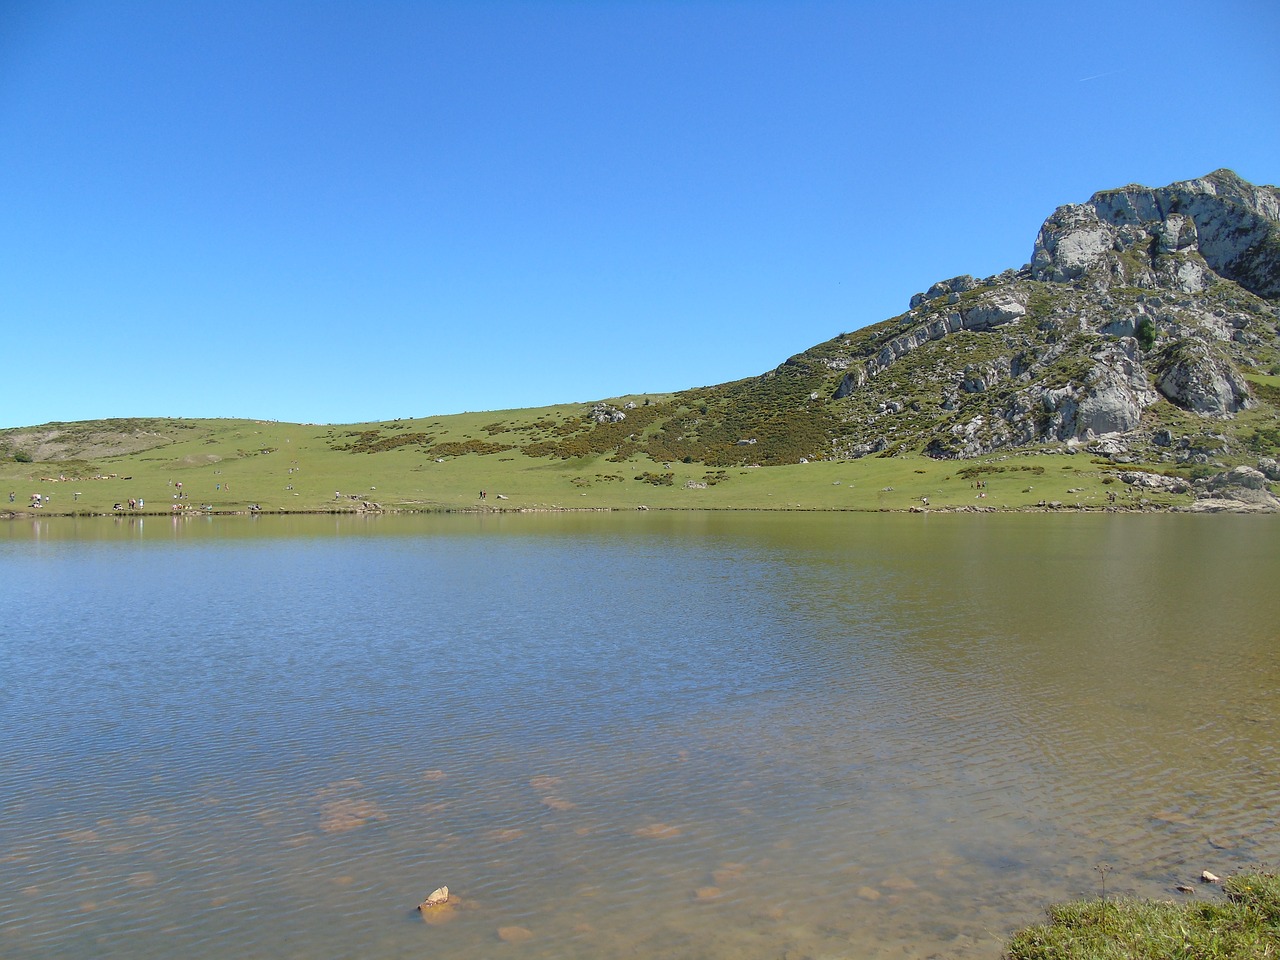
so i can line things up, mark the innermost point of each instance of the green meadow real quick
(442, 464)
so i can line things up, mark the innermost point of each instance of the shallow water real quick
(650, 735)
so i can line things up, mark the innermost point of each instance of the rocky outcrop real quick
(981, 314)
(1071, 243)
(1136, 298)
(1176, 236)
(1195, 376)
(946, 288)
(1109, 399)
(1241, 489)
(971, 438)
(603, 413)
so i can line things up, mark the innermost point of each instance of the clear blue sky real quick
(334, 212)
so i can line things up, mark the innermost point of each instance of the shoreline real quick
(1237, 507)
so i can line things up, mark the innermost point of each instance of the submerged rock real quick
(656, 831)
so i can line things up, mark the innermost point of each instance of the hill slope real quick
(1144, 330)
(1145, 324)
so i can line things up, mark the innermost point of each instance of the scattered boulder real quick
(437, 897)
(1238, 490)
(603, 413)
(1108, 447)
(993, 311)
(1154, 481)
(439, 908)
(1240, 477)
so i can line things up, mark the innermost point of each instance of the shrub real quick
(657, 479)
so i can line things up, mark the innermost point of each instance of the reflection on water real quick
(660, 736)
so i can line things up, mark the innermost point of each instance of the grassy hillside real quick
(542, 458)
(1149, 353)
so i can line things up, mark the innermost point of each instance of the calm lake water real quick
(649, 735)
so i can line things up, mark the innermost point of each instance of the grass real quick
(442, 463)
(781, 440)
(1244, 926)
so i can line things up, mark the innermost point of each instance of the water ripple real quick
(612, 738)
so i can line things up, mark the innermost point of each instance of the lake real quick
(647, 735)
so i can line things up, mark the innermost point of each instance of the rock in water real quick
(437, 897)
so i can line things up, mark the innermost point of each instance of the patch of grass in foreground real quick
(1245, 925)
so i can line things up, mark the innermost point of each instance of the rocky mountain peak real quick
(1176, 237)
(1145, 313)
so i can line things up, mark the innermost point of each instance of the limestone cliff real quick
(1143, 310)
(1144, 327)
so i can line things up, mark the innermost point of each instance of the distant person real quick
(12, 496)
